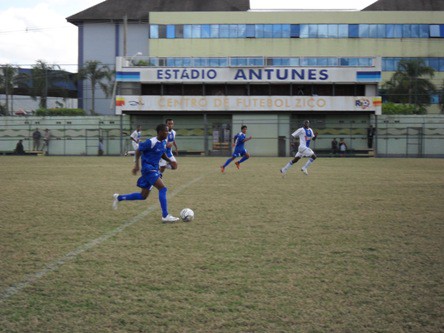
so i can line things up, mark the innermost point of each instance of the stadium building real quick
(213, 66)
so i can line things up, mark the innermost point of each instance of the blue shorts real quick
(148, 179)
(239, 152)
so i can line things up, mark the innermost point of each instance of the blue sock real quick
(243, 159)
(227, 162)
(163, 201)
(132, 196)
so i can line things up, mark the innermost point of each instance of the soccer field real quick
(357, 246)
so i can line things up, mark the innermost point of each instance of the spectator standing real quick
(36, 136)
(46, 139)
(370, 135)
(101, 147)
(334, 146)
(342, 147)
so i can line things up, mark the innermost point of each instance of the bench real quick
(29, 153)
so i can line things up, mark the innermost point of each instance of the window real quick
(380, 31)
(322, 30)
(434, 31)
(205, 31)
(193, 89)
(259, 90)
(280, 89)
(394, 30)
(332, 31)
(179, 31)
(353, 30)
(312, 31)
(172, 89)
(423, 31)
(277, 31)
(187, 31)
(242, 31)
(215, 89)
(171, 31)
(162, 31)
(250, 31)
(294, 31)
(441, 64)
(237, 90)
(224, 31)
(195, 31)
(303, 31)
(268, 31)
(259, 30)
(151, 89)
(214, 31)
(342, 30)
(322, 90)
(364, 30)
(285, 30)
(434, 63)
(414, 30)
(373, 31)
(154, 31)
(233, 31)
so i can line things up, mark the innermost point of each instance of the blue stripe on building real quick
(128, 76)
(368, 76)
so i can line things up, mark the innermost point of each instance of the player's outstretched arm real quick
(136, 163)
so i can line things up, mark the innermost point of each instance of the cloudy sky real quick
(32, 30)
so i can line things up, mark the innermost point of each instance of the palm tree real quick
(96, 73)
(8, 75)
(441, 97)
(44, 80)
(410, 85)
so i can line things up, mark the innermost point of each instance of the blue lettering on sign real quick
(186, 74)
(246, 74)
(240, 75)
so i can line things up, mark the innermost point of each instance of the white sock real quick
(308, 164)
(287, 166)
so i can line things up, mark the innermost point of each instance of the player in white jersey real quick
(305, 135)
(171, 141)
(135, 137)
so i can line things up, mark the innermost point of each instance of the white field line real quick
(33, 277)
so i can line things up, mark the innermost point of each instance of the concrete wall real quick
(69, 135)
(396, 136)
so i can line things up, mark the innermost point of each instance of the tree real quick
(410, 84)
(44, 80)
(8, 76)
(96, 73)
(441, 97)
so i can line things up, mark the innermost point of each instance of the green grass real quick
(357, 246)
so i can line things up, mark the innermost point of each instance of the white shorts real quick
(304, 152)
(135, 145)
(163, 163)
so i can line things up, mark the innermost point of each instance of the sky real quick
(32, 30)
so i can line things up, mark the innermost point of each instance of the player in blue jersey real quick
(171, 141)
(305, 135)
(150, 152)
(239, 149)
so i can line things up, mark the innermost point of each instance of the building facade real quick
(215, 69)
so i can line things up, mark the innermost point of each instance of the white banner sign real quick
(247, 103)
(243, 75)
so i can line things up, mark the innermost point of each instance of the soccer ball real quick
(187, 215)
